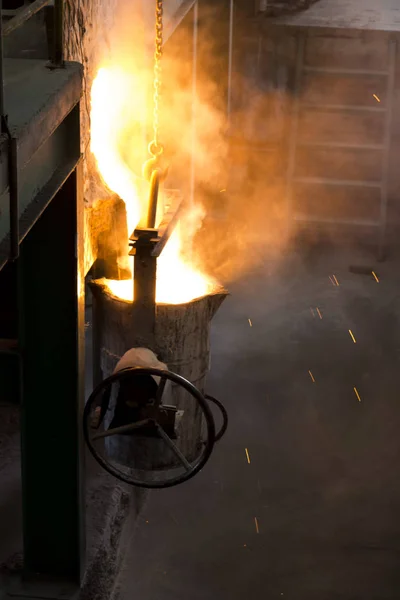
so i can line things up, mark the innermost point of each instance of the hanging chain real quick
(155, 148)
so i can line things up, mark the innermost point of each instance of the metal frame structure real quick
(384, 147)
(56, 62)
(50, 269)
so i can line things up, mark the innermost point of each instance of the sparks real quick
(312, 377)
(376, 97)
(312, 312)
(336, 281)
(352, 336)
(375, 276)
(250, 323)
(247, 454)
(357, 394)
(256, 522)
(319, 313)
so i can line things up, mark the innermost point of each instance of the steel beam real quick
(144, 285)
(52, 351)
(23, 14)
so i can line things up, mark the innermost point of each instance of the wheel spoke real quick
(160, 390)
(122, 429)
(173, 447)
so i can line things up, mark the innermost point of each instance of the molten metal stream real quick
(118, 106)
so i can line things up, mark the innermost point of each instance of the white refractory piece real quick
(140, 357)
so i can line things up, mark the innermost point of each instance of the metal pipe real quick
(153, 199)
(23, 15)
(58, 58)
(230, 61)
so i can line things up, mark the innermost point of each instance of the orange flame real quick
(118, 106)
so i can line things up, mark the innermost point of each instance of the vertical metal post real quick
(144, 288)
(12, 159)
(58, 58)
(52, 353)
(194, 103)
(14, 196)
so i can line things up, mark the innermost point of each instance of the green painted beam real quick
(52, 351)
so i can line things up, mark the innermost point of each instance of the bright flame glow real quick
(110, 91)
(118, 113)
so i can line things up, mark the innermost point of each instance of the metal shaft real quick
(123, 429)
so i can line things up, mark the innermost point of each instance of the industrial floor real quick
(313, 513)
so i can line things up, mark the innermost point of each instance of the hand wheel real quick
(144, 423)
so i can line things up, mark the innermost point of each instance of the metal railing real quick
(56, 61)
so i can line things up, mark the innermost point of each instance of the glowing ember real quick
(312, 376)
(375, 276)
(352, 336)
(118, 115)
(247, 455)
(357, 394)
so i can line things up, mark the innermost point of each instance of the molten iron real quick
(118, 106)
